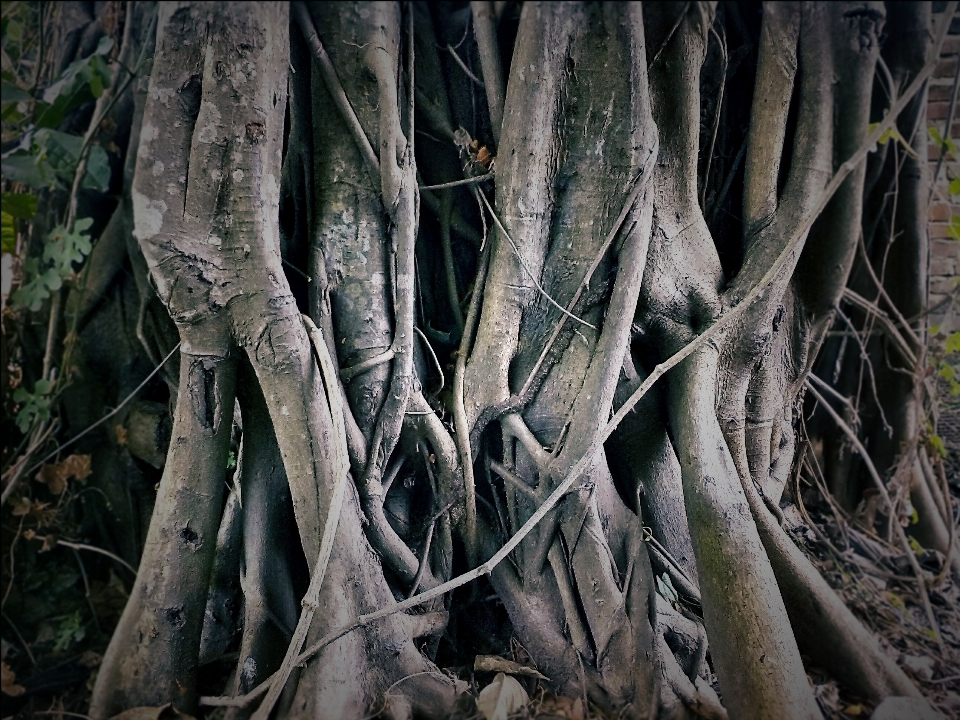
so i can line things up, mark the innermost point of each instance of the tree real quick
(335, 211)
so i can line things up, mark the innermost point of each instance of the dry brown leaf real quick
(78, 466)
(121, 433)
(8, 682)
(20, 506)
(55, 475)
(495, 663)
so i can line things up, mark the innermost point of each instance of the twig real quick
(335, 88)
(523, 264)
(92, 548)
(458, 183)
(341, 464)
(297, 270)
(463, 66)
(433, 356)
(882, 489)
(946, 130)
(16, 478)
(462, 430)
(639, 183)
(865, 362)
(348, 373)
(716, 120)
(485, 31)
(421, 571)
(842, 398)
(683, 14)
(890, 329)
(883, 293)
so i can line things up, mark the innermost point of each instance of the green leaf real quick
(97, 174)
(22, 167)
(13, 94)
(946, 371)
(936, 445)
(36, 405)
(21, 205)
(953, 229)
(8, 233)
(954, 187)
(71, 630)
(953, 342)
(104, 46)
(942, 142)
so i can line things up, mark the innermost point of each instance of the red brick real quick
(951, 46)
(944, 250)
(940, 92)
(933, 153)
(942, 284)
(938, 110)
(939, 231)
(940, 212)
(946, 68)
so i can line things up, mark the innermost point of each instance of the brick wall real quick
(944, 250)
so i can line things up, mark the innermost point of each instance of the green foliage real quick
(43, 276)
(8, 233)
(942, 142)
(954, 187)
(34, 405)
(891, 133)
(21, 205)
(80, 81)
(48, 158)
(71, 631)
(953, 229)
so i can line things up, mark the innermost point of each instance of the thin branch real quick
(883, 293)
(458, 183)
(882, 489)
(92, 548)
(485, 31)
(341, 464)
(716, 119)
(673, 30)
(433, 356)
(523, 264)
(462, 430)
(639, 183)
(464, 67)
(946, 130)
(889, 328)
(335, 88)
(9, 488)
(348, 373)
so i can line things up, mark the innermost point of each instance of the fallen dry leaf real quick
(55, 475)
(501, 698)
(8, 681)
(495, 663)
